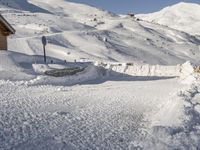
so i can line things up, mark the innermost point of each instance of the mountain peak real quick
(179, 16)
(185, 6)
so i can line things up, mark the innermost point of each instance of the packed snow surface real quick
(81, 117)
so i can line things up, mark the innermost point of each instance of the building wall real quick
(3, 42)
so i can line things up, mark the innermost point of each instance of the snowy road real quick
(109, 115)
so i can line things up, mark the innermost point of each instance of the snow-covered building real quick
(5, 30)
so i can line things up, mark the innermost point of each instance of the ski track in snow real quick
(107, 116)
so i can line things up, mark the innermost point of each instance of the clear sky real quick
(135, 6)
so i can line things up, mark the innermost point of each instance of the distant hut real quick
(5, 30)
(131, 14)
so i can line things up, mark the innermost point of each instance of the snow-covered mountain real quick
(77, 31)
(182, 16)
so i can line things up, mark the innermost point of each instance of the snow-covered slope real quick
(77, 31)
(66, 8)
(22, 5)
(182, 16)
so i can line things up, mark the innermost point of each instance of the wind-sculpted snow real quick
(184, 136)
(77, 31)
(146, 70)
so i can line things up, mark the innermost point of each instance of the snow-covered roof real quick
(9, 28)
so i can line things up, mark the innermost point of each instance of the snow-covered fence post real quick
(44, 42)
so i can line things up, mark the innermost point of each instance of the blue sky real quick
(136, 6)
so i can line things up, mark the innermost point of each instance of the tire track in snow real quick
(104, 116)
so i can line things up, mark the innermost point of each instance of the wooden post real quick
(44, 48)
(44, 42)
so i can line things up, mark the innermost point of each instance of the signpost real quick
(44, 42)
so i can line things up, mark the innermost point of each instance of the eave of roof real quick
(8, 26)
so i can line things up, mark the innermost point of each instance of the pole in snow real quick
(44, 42)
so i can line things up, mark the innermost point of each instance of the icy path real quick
(110, 115)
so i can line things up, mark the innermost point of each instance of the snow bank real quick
(188, 75)
(134, 69)
(90, 73)
(18, 67)
(187, 69)
(186, 135)
(176, 125)
(10, 69)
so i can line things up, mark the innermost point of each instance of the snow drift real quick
(133, 69)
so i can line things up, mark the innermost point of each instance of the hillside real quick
(182, 16)
(77, 31)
